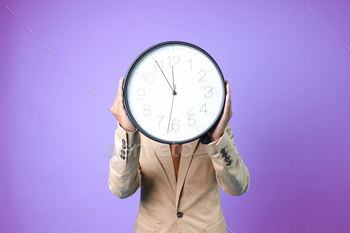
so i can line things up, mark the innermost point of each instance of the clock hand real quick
(171, 110)
(172, 71)
(164, 75)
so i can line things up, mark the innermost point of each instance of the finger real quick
(116, 97)
(120, 92)
(116, 100)
(230, 106)
(228, 91)
(227, 108)
(228, 102)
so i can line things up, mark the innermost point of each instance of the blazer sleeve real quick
(231, 173)
(124, 169)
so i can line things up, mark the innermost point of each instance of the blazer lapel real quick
(163, 153)
(186, 157)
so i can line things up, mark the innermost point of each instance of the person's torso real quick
(190, 203)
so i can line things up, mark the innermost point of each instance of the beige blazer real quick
(188, 204)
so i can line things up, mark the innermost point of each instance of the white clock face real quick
(174, 92)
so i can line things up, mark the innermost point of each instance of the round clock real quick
(174, 92)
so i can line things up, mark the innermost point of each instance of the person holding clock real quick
(174, 141)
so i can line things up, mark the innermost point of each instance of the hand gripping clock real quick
(174, 92)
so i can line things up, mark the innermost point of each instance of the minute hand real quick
(164, 76)
(171, 110)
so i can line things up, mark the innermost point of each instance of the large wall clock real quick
(174, 92)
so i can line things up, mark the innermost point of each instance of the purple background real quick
(290, 98)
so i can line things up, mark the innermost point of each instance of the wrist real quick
(127, 129)
(214, 138)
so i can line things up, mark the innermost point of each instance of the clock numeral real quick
(141, 94)
(147, 110)
(176, 59)
(173, 123)
(190, 61)
(205, 108)
(160, 120)
(208, 94)
(149, 78)
(202, 73)
(192, 120)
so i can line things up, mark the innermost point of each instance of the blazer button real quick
(228, 163)
(123, 152)
(224, 155)
(123, 141)
(227, 158)
(222, 150)
(123, 146)
(179, 214)
(122, 156)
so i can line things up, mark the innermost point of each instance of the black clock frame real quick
(128, 73)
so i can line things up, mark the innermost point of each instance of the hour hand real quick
(172, 72)
(164, 76)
